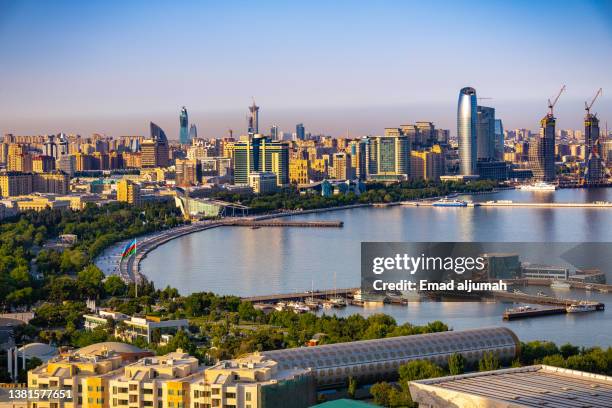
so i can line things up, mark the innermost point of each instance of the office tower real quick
(274, 132)
(426, 133)
(155, 150)
(184, 125)
(128, 192)
(193, 132)
(260, 154)
(300, 131)
(499, 140)
(253, 119)
(389, 156)
(485, 133)
(357, 149)
(542, 151)
(467, 117)
(442, 136)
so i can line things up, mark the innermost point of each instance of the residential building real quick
(260, 154)
(128, 192)
(299, 171)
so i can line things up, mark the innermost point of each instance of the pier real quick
(317, 294)
(512, 204)
(272, 223)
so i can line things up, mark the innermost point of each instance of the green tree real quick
(488, 362)
(89, 281)
(352, 387)
(114, 286)
(456, 364)
(381, 393)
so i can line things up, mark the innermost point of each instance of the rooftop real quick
(532, 386)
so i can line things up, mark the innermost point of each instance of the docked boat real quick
(337, 301)
(581, 308)
(589, 288)
(445, 202)
(560, 285)
(539, 186)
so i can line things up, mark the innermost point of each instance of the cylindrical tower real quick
(467, 116)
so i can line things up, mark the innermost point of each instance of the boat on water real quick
(361, 297)
(542, 294)
(560, 285)
(337, 301)
(445, 202)
(581, 307)
(539, 186)
(589, 288)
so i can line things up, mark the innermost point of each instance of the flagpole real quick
(136, 274)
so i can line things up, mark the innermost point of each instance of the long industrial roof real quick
(532, 386)
(398, 348)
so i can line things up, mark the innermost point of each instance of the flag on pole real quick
(130, 249)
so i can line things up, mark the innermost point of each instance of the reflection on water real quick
(243, 261)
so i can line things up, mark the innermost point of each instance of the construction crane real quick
(588, 106)
(551, 105)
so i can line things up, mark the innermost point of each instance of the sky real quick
(340, 67)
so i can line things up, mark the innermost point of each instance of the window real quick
(170, 392)
(90, 388)
(133, 387)
(247, 396)
(230, 395)
(159, 392)
(114, 402)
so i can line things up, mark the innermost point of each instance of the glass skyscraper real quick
(300, 131)
(184, 127)
(485, 134)
(499, 140)
(467, 117)
(193, 132)
(542, 151)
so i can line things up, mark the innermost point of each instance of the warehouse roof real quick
(532, 386)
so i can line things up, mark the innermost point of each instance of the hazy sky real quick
(337, 66)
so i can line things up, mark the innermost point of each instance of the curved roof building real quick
(467, 119)
(369, 361)
(43, 352)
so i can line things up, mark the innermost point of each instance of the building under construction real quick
(595, 168)
(542, 149)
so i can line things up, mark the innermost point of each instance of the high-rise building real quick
(43, 164)
(467, 119)
(357, 150)
(193, 132)
(128, 192)
(499, 140)
(187, 173)
(427, 164)
(299, 171)
(485, 133)
(426, 133)
(260, 154)
(50, 148)
(155, 151)
(184, 125)
(253, 119)
(274, 132)
(542, 151)
(594, 172)
(300, 131)
(389, 156)
(341, 167)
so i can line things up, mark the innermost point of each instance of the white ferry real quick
(445, 202)
(539, 186)
(581, 307)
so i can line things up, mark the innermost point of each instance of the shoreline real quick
(129, 270)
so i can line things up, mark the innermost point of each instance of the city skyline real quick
(74, 71)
